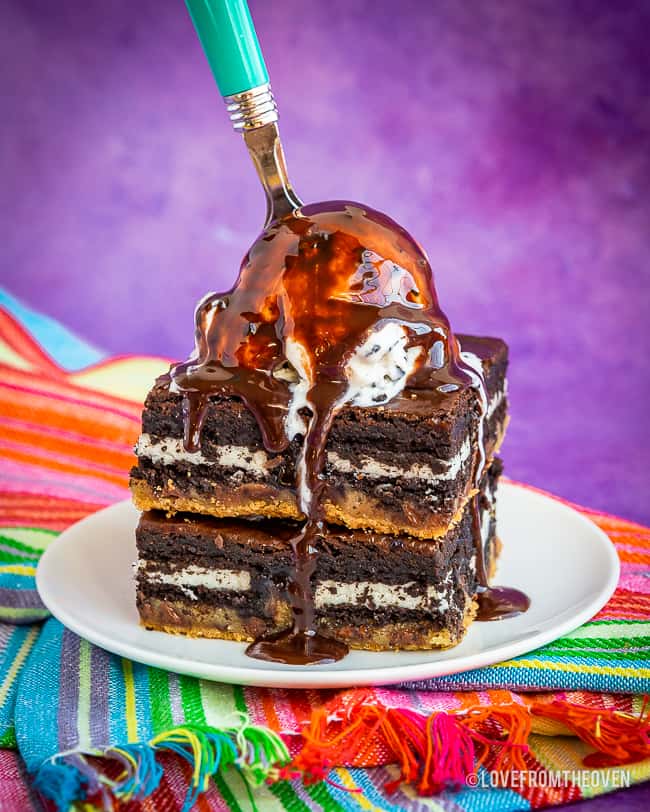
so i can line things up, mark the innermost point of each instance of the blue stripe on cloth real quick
(142, 702)
(68, 350)
(537, 679)
(11, 640)
(36, 709)
(10, 580)
(116, 704)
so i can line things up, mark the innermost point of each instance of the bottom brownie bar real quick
(224, 578)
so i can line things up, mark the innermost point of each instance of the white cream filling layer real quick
(171, 450)
(379, 470)
(378, 596)
(193, 576)
(327, 593)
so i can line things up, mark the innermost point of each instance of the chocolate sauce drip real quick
(494, 602)
(300, 645)
(313, 287)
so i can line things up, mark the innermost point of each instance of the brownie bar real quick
(228, 578)
(406, 467)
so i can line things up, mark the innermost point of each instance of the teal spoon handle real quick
(230, 42)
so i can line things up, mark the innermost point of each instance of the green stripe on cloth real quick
(285, 793)
(228, 796)
(191, 698)
(33, 538)
(321, 794)
(8, 741)
(610, 628)
(240, 700)
(10, 615)
(159, 700)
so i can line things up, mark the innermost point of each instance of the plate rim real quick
(298, 677)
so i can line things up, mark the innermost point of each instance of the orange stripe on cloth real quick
(115, 460)
(51, 513)
(28, 382)
(616, 525)
(630, 536)
(53, 464)
(117, 455)
(23, 477)
(71, 416)
(266, 695)
(634, 558)
(303, 703)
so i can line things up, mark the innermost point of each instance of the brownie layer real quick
(406, 467)
(198, 620)
(228, 578)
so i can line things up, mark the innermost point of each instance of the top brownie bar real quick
(406, 467)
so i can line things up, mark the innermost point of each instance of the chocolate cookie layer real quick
(406, 467)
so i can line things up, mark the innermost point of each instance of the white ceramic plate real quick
(566, 565)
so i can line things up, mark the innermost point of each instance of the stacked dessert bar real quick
(408, 528)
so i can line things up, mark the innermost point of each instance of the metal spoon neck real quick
(254, 113)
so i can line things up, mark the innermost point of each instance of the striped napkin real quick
(77, 723)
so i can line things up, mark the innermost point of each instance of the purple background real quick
(512, 139)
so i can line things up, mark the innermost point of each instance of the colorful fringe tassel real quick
(441, 750)
(433, 752)
(256, 752)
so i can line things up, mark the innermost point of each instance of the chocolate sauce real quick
(494, 602)
(301, 645)
(500, 602)
(313, 287)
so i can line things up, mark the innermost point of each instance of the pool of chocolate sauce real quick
(325, 276)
